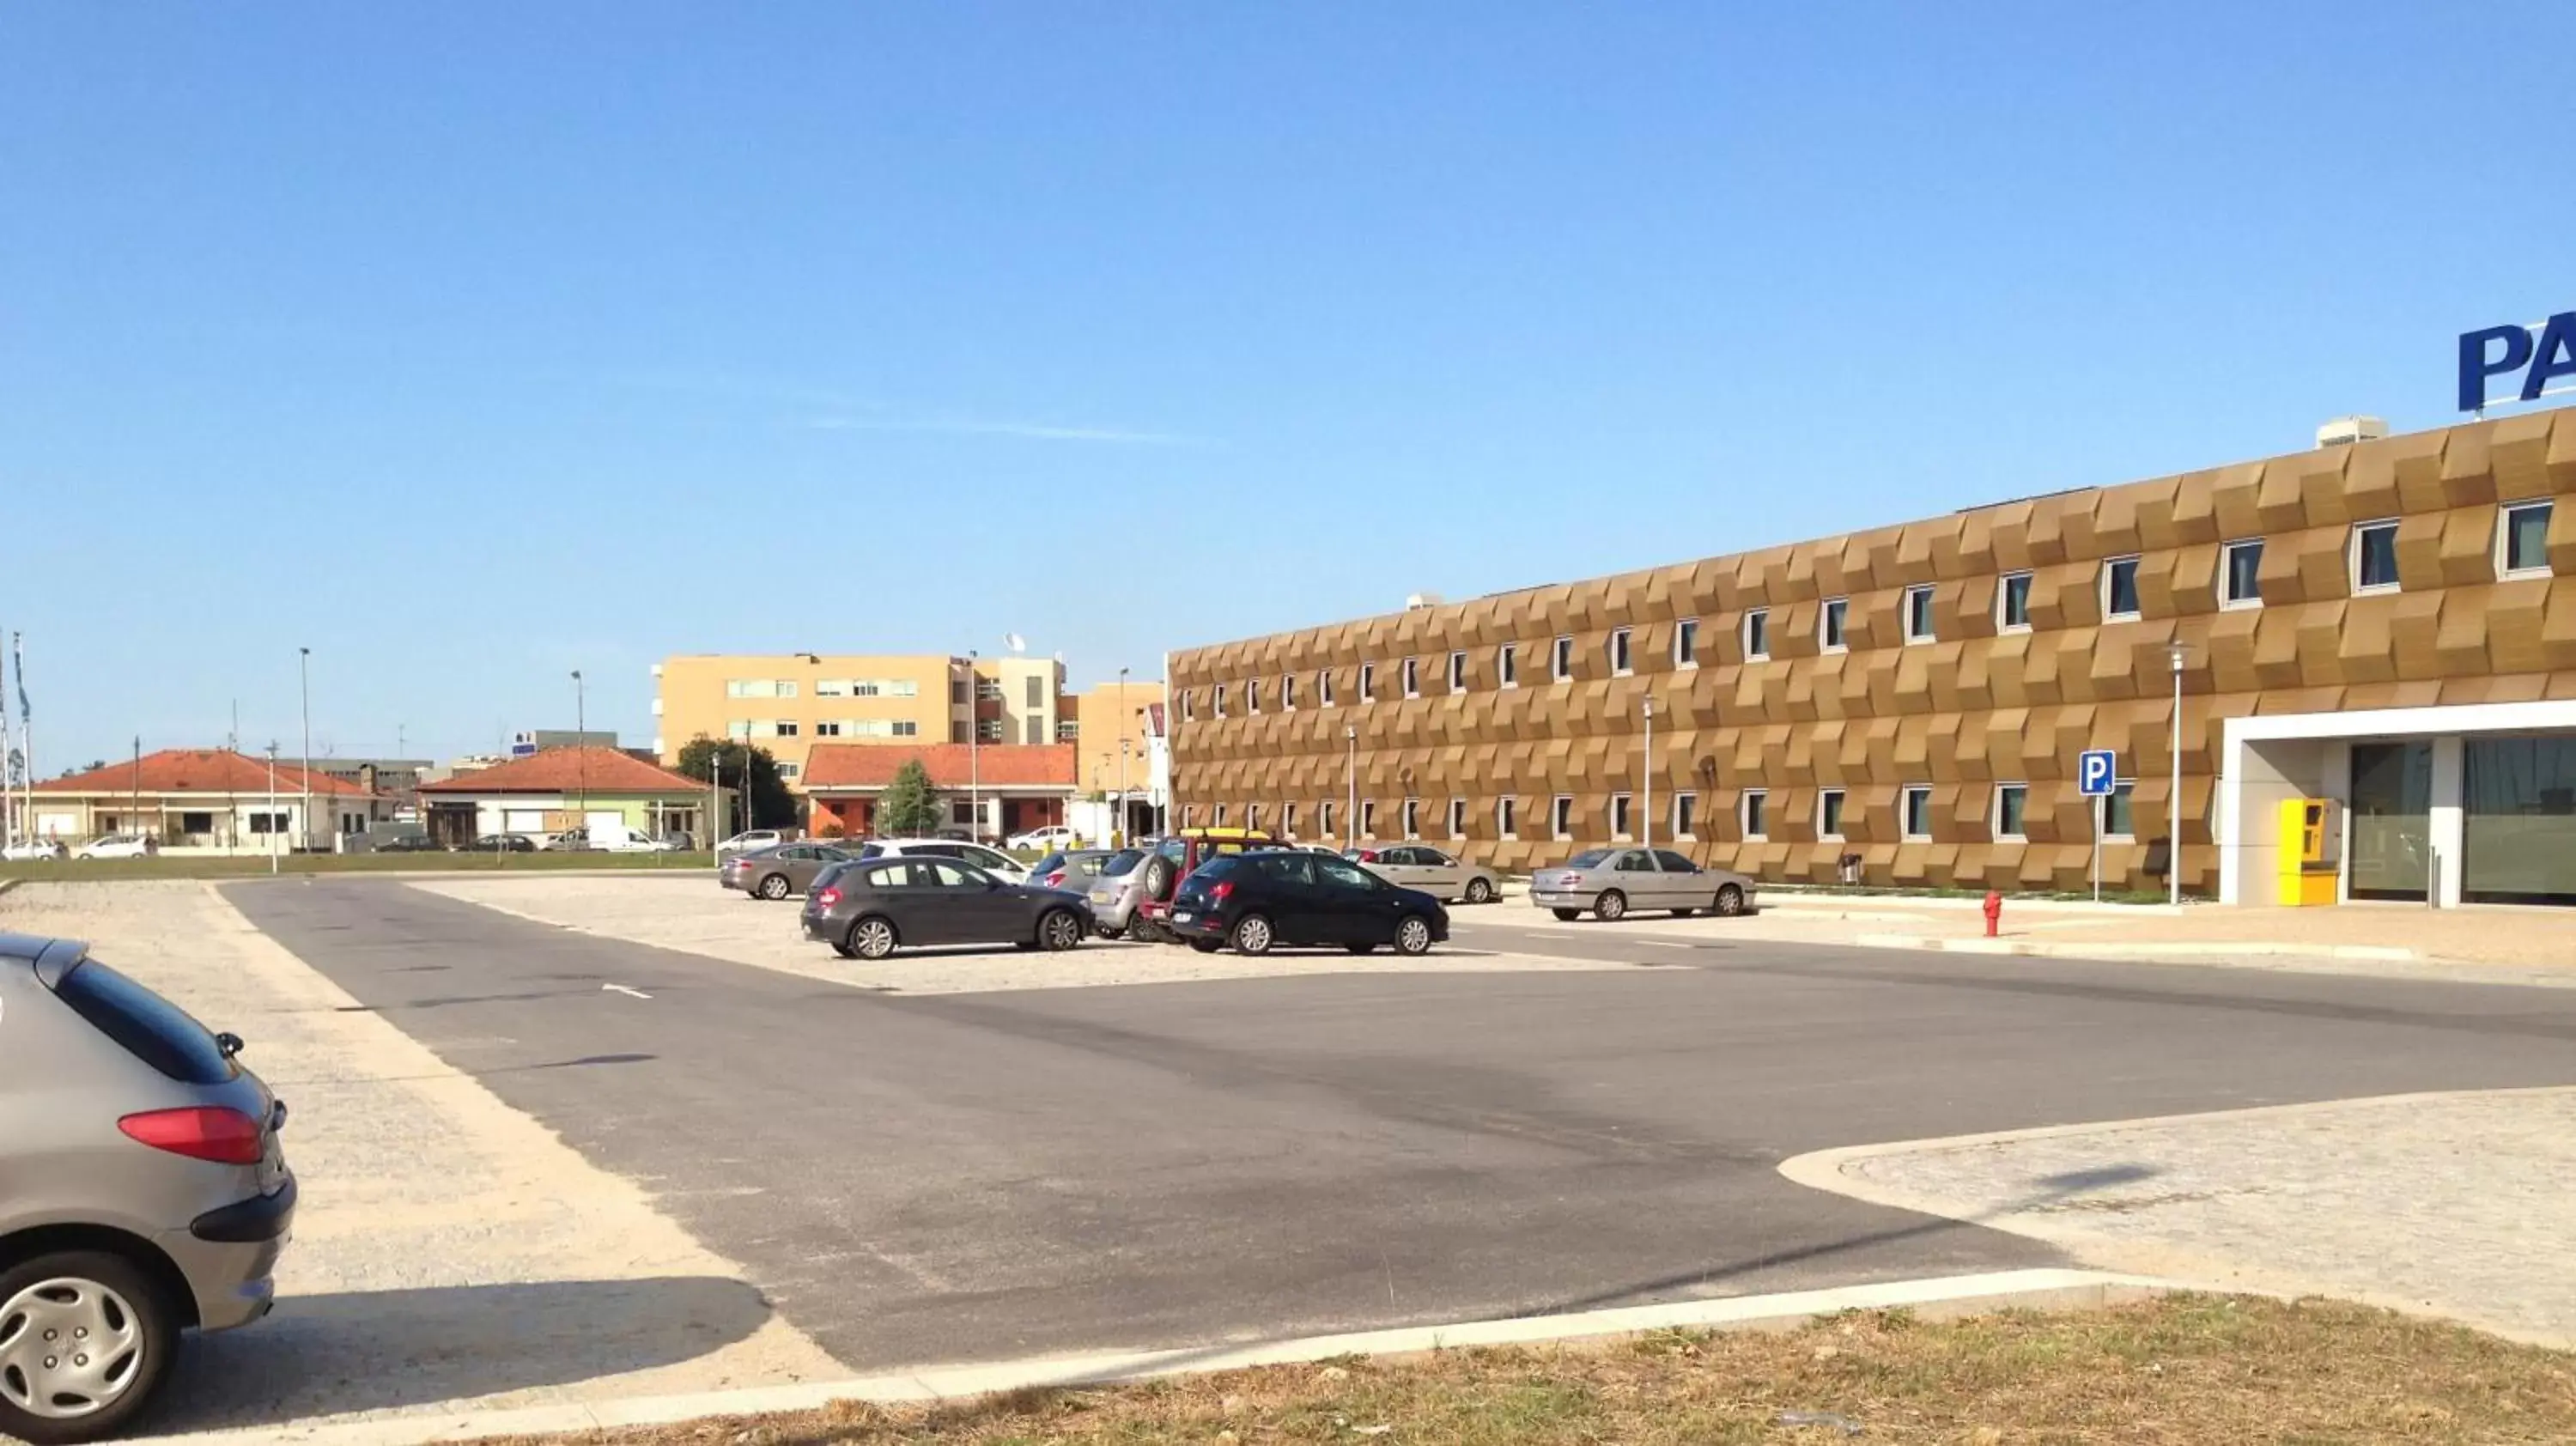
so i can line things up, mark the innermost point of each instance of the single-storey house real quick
(207, 801)
(564, 788)
(1021, 786)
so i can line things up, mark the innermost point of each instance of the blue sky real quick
(469, 344)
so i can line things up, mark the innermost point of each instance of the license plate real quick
(1182, 916)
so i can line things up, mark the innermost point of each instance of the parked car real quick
(1420, 866)
(755, 838)
(1175, 858)
(34, 851)
(1253, 901)
(1116, 891)
(505, 843)
(1069, 869)
(677, 841)
(618, 838)
(142, 1190)
(570, 841)
(1611, 882)
(1043, 840)
(775, 873)
(119, 846)
(410, 843)
(872, 907)
(991, 861)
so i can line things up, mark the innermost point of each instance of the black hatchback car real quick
(1255, 900)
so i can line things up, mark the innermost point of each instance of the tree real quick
(910, 805)
(772, 806)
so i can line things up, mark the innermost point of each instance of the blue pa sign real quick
(2541, 355)
(2096, 770)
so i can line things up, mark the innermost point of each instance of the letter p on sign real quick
(2094, 771)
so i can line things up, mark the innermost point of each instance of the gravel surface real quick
(2461, 1204)
(448, 1251)
(697, 916)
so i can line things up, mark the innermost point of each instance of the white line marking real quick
(622, 989)
(1668, 943)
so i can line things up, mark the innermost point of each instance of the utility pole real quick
(974, 742)
(273, 829)
(1351, 773)
(136, 825)
(304, 691)
(2173, 804)
(1126, 706)
(581, 751)
(1647, 786)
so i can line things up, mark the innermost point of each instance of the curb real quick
(2109, 949)
(1937, 1298)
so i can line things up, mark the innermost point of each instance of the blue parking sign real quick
(2095, 769)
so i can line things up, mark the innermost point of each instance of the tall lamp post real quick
(1119, 835)
(1351, 821)
(304, 691)
(974, 742)
(581, 753)
(273, 829)
(2173, 801)
(1647, 787)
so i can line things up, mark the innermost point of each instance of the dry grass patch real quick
(2183, 1369)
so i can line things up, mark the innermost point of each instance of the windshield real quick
(1590, 859)
(1121, 863)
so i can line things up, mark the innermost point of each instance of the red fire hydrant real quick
(1994, 912)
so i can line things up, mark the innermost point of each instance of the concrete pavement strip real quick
(1936, 1298)
(2117, 948)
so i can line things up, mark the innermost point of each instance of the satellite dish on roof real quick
(1015, 642)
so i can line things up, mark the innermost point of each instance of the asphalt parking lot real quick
(949, 1177)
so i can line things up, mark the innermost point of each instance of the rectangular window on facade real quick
(1918, 615)
(1507, 822)
(1685, 815)
(789, 770)
(907, 728)
(1457, 672)
(1220, 815)
(737, 730)
(1035, 693)
(831, 687)
(956, 694)
(2374, 557)
(1324, 686)
(2012, 603)
(1033, 730)
(1619, 809)
(2522, 544)
(989, 731)
(786, 727)
(1507, 665)
(989, 689)
(1917, 811)
(1686, 643)
(1324, 817)
(1288, 819)
(1619, 659)
(1457, 818)
(2119, 811)
(1412, 818)
(827, 729)
(1560, 816)
(1413, 677)
(1189, 815)
(1368, 682)
(1189, 707)
(1252, 695)
(2120, 588)
(1220, 700)
(1561, 663)
(1288, 692)
(1829, 624)
(1756, 804)
(2240, 574)
(1368, 818)
(1757, 635)
(1829, 813)
(2010, 801)
(1252, 815)
(763, 728)
(786, 688)
(1068, 730)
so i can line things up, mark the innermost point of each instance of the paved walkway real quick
(2459, 1204)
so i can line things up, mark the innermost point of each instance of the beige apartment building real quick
(788, 702)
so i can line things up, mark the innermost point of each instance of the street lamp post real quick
(272, 806)
(1119, 836)
(1647, 786)
(581, 753)
(974, 743)
(304, 691)
(1351, 821)
(2173, 801)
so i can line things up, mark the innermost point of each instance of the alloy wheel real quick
(873, 938)
(68, 1348)
(1413, 936)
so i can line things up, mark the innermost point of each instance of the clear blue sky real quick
(473, 343)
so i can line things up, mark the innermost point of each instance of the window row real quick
(2521, 547)
(742, 728)
(860, 688)
(1680, 815)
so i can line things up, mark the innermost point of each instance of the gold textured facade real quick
(1964, 714)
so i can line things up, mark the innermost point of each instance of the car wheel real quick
(85, 1340)
(1479, 891)
(872, 938)
(1567, 915)
(1158, 877)
(1611, 907)
(1413, 936)
(774, 887)
(1204, 946)
(1730, 901)
(1252, 935)
(1059, 930)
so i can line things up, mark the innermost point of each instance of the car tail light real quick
(1053, 879)
(227, 1137)
(827, 897)
(1368, 856)
(1223, 891)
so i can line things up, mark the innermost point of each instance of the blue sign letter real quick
(2474, 367)
(2559, 336)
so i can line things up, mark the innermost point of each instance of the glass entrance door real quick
(2392, 820)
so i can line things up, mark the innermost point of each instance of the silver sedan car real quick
(1116, 891)
(1419, 866)
(1610, 883)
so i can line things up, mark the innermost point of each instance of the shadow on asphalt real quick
(380, 1350)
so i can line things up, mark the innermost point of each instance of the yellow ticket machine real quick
(2311, 851)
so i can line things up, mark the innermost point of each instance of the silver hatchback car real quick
(1611, 882)
(142, 1190)
(1116, 890)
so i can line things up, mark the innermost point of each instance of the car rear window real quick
(1219, 867)
(1589, 859)
(1122, 863)
(150, 1028)
(1049, 864)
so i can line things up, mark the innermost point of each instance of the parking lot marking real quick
(622, 989)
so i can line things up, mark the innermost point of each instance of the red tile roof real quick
(995, 765)
(568, 770)
(195, 770)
